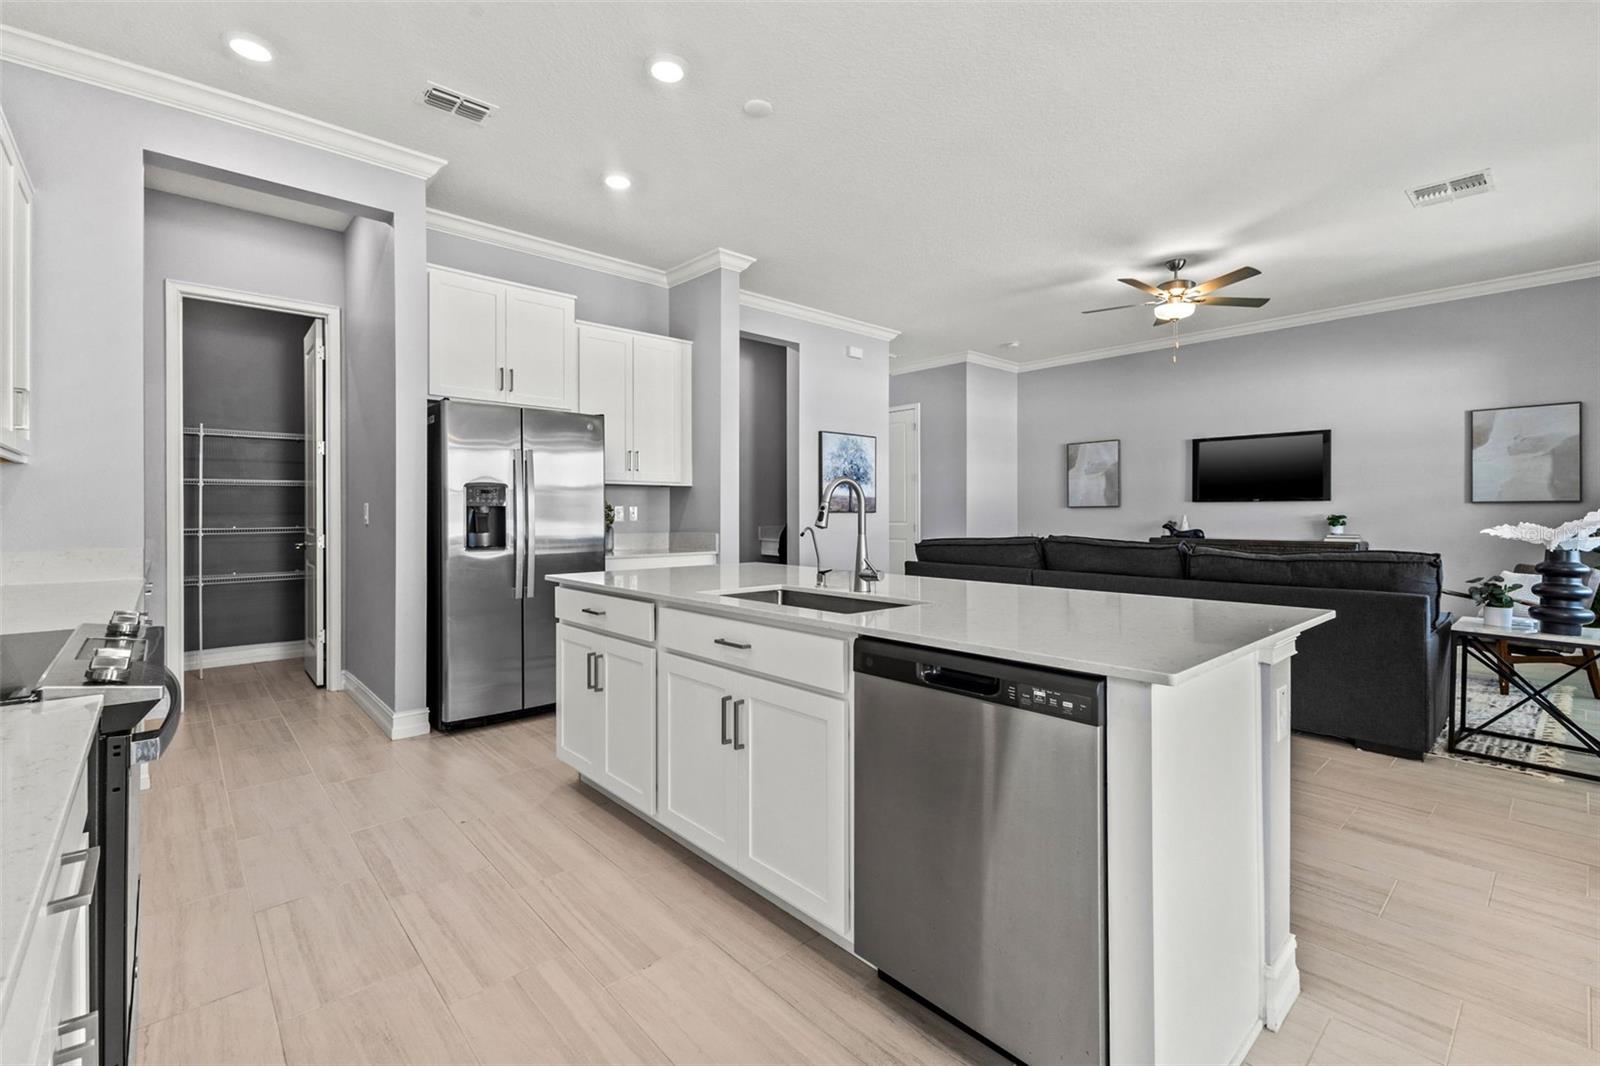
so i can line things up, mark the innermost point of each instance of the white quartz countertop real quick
(47, 605)
(43, 750)
(1161, 640)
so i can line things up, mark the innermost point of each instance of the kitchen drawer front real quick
(42, 990)
(808, 659)
(634, 619)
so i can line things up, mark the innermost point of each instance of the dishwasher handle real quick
(964, 682)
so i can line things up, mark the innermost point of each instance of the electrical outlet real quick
(633, 512)
(1281, 712)
(366, 514)
(619, 514)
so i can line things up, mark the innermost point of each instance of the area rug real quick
(1484, 702)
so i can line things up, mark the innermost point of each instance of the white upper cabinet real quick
(496, 341)
(640, 382)
(541, 349)
(16, 295)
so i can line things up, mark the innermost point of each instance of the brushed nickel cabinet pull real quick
(735, 644)
(591, 610)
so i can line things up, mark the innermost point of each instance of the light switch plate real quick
(853, 352)
(633, 512)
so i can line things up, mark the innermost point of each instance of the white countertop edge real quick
(17, 928)
(835, 624)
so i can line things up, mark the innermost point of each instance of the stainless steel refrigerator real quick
(515, 494)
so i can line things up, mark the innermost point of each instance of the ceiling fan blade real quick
(1119, 307)
(1226, 279)
(1232, 301)
(1142, 287)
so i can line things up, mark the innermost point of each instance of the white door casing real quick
(905, 484)
(314, 531)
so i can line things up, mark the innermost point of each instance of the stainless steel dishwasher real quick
(980, 844)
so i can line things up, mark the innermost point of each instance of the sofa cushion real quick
(1372, 571)
(983, 551)
(1095, 556)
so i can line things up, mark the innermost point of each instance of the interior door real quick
(657, 409)
(905, 486)
(603, 390)
(314, 539)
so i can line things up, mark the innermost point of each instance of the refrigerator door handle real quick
(520, 532)
(528, 516)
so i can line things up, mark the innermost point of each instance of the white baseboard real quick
(1280, 985)
(396, 725)
(241, 654)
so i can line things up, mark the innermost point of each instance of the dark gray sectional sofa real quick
(1378, 675)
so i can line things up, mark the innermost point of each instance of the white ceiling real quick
(968, 174)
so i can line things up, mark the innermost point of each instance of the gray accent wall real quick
(85, 149)
(1395, 388)
(763, 446)
(991, 452)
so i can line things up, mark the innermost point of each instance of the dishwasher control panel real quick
(1058, 693)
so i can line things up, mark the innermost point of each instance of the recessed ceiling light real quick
(667, 68)
(1010, 344)
(252, 48)
(618, 182)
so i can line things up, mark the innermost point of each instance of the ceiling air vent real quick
(455, 103)
(1442, 192)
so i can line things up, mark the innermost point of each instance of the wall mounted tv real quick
(1263, 466)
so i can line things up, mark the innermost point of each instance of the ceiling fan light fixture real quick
(1174, 311)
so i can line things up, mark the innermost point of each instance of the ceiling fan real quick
(1177, 299)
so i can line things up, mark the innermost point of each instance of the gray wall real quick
(207, 244)
(763, 445)
(991, 452)
(369, 424)
(705, 310)
(85, 147)
(942, 392)
(833, 392)
(1393, 387)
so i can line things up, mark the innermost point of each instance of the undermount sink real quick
(815, 600)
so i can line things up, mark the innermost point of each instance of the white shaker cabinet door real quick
(626, 675)
(794, 835)
(699, 775)
(660, 380)
(541, 349)
(466, 336)
(580, 734)
(603, 373)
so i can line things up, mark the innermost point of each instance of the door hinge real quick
(322, 637)
(322, 447)
(322, 353)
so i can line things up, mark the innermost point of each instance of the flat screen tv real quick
(1263, 466)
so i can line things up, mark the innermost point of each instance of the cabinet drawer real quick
(634, 619)
(804, 658)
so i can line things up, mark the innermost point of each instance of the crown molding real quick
(968, 358)
(706, 262)
(488, 233)
(757, 302)
(1534, 279)
(69, 61)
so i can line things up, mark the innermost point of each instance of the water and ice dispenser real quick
(486, 515)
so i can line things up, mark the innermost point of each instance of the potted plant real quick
(611, 516)
(1495, 596)
(1336, 524)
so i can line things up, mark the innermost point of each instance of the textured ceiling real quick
(968, 174)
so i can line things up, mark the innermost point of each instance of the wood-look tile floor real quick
(317, 894)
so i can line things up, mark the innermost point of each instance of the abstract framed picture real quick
(851, 455)
(1094, 473)
(1527, 454)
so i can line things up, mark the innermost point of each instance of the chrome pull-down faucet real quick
(865, 573)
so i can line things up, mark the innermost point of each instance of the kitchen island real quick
(721, 703)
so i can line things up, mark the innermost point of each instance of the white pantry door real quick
(905, 484)
(315, 539)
